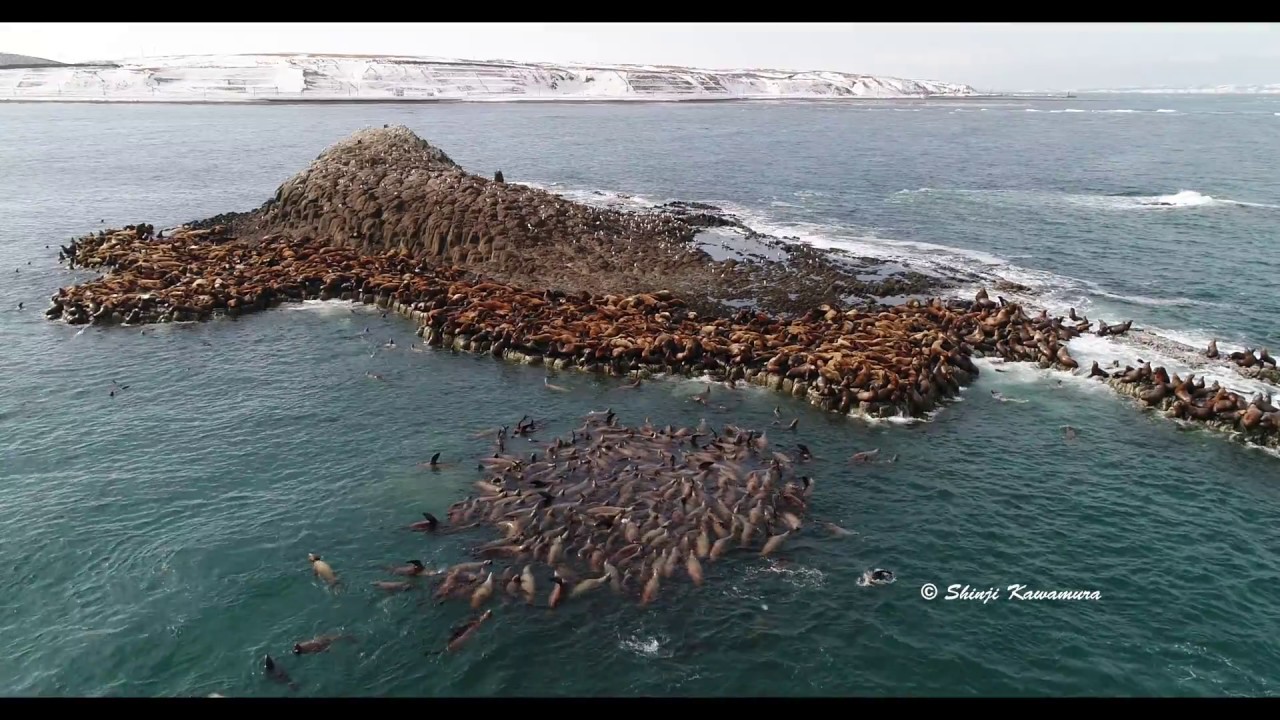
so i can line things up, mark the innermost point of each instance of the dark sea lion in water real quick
(876, 577)
(837, 530)
(462, 633)
(864, 456)
(429, 524)
(415, 567)
(1070, 432)
(316, 644)
(804, 452)
(1096, 371)
(434, 463)
(276, 673)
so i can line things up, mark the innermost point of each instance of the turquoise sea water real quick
(155, 542)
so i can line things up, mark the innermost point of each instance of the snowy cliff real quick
(291, 78)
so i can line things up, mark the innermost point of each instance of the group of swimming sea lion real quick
(628, 508)
(631, 508)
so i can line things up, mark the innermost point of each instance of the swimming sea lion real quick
(774, 543)
(837, 530)
(865, 455)
(651, 588)
(316, 644)
(791, 520)
(556, 592)
(483, 592)
(720, 547)
(528, 584)
(464, 632)
(415, 567)
(392, 585)
(694, 568)
(322, 569)
(429, 524)
(588, 585)
(881, 577)
(277, 673)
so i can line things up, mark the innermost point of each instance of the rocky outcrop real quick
(387, 190)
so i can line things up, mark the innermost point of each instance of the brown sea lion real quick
(317, 644)
(557, 591)
(774, 543)
(483, 592)
(322, 569)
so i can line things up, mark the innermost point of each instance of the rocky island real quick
(487, 266)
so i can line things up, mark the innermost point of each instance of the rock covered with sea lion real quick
(387, 190)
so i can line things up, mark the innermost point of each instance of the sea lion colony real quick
(902, 360)
(1189, 399)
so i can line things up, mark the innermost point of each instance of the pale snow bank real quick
(250, 78)
(1269, 89)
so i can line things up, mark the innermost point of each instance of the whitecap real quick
(652, 647)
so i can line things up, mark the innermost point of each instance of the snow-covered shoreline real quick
(1270, 89)
(340, 78)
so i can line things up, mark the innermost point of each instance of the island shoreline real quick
(527, 276)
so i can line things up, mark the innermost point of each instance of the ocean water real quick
(155, 542)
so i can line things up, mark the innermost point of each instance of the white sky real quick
(989, 56)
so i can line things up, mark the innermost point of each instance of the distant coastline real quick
(343, 79)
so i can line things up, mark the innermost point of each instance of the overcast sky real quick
(988, 56)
